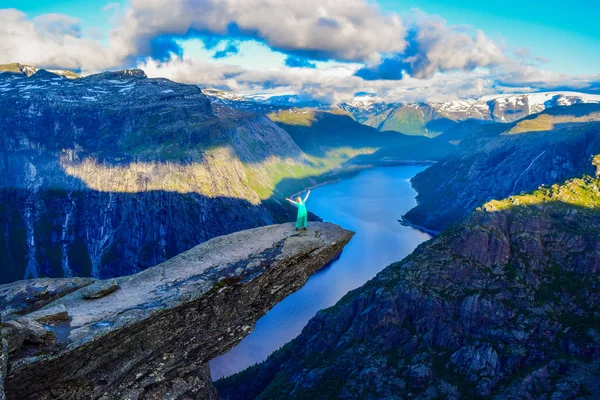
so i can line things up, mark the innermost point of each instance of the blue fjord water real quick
(370, 204)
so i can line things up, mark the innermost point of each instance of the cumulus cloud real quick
(416, 59)
(529, 77)
(435, 47)
(338, 83)
(51, 40)
(188, 70)
(351, 30)
(334, 84)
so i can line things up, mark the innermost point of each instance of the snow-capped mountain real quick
(423, 119)
(29, 70)
(260, 103)
(431, 119)
(502, 107)
(511, 107)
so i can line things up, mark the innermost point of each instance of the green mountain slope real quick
(499, 160)
(327, 134)
(418, 120)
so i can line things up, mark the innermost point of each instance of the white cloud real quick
(441, 62)
(51, 40)
(188, 70)
(435, 47)
(354, 30)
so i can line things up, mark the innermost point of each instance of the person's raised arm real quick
(307, 194)
(291, 201)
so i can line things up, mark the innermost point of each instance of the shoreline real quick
(336, 180)
(403, 221)
(349, 170)
(335, 176)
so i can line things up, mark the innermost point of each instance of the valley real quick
(495, 307)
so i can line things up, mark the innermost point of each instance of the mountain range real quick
(421, 119)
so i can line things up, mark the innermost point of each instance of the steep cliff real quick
(110, 174)
(504, 305)
(150, 335)
(498, 160)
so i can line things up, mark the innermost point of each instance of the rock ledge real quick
(152, 338)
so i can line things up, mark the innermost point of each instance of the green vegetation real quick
(581, 192)
(295, 117)
(12, 67)
(419, 120)
(547, 121)
(285, 178)
(303, 116)
(409, 121)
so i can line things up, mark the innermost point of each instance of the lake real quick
(370, 204)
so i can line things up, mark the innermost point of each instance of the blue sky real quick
(565, 33)
(561, 41)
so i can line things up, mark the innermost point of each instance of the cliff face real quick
(110, 174)
(150, 335)
(504, 305)
(499, 160)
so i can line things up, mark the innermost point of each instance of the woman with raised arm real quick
(302, 219)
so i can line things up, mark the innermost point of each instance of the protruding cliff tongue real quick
(150, 335)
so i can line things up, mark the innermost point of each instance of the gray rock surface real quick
(25, 296)
(3, 364)
(99, 289)
(152, 338)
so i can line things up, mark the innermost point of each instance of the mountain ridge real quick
(498, 160)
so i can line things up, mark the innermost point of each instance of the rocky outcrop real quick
(3, 364)
(504, 305)
(150, 335)
(499, 160)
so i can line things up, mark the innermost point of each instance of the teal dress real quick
(302, 219)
